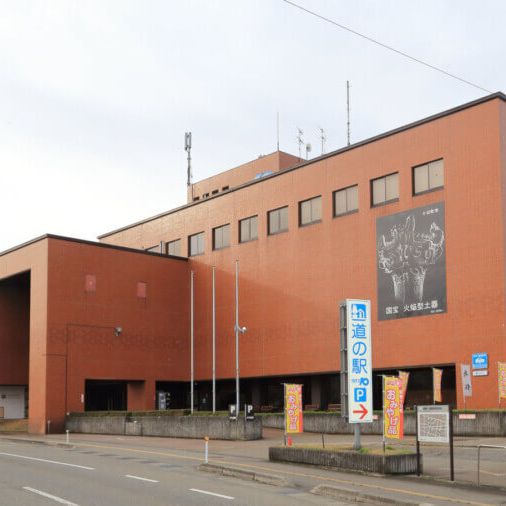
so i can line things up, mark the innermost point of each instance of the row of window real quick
(385, 189)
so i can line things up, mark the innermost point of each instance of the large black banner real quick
(411, 261)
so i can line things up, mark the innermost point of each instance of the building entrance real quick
(105, 395)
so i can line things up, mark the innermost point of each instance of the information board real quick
(433, 424)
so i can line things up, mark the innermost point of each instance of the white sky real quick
(95, 96)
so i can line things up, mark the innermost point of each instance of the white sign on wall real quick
(358, 314)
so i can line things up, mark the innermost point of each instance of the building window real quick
(196, 244)
(278, 220)
(429, 176)
(385, 189)
(221, 237)
(346, 200)
(310, 211)
(248, 229)
(174, 248)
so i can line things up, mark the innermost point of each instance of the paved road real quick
(43, 475)
(173, 464)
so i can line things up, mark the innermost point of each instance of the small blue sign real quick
(360, 394)
(480, 360)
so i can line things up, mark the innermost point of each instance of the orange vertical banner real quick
(501, 375)
(293, 409)
(404, 377)
(437, 376)
(393, 411)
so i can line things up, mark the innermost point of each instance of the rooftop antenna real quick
(188, 148)
(277, 129)
(300, 141)
(323, 138)
(308, 150)
(348, 110)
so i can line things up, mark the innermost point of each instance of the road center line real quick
(141, 478)
(49, 496)
(210, 493)
(48, 461)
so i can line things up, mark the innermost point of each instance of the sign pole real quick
(356, 433)
(417, 443)
(452, 468)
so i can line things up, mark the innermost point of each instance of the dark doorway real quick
(105, 395)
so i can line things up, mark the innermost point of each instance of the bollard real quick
(48, 426)
(206, 449)
(67, 439)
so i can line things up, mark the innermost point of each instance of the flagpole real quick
(237, 338)
(214, 341)
(191, 341)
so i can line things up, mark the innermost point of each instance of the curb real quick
(348, 495)
(244, 474)
(37, 442)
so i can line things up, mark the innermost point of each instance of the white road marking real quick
(49, 496)
(48, 461)
(211, 493)
(140, 478)
(493, 474)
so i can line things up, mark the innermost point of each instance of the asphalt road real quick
(110, 470)
(32, 474)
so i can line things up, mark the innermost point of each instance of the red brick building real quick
(413, 219)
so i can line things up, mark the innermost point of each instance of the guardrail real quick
(479, 452)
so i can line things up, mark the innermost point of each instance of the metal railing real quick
(479, 452)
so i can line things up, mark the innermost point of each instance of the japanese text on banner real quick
(293, 409)
(393, 411)
(404, 377)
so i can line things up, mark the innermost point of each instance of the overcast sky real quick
(95, 96)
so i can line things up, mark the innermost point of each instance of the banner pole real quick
(417, 443)
(433, 388)
(284, 413)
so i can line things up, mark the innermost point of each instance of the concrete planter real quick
(485, 423)
(350, 461)
(195, 427)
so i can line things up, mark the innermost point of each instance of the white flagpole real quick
(214, 341)
(191, 344)
(237, 407)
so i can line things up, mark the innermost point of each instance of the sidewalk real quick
(434, 487)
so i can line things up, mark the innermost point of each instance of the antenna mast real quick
(348, 110)
(277, 128)
(188, 148)
(323, 138)
(300, 141)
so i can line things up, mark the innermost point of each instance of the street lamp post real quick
(237, 329)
